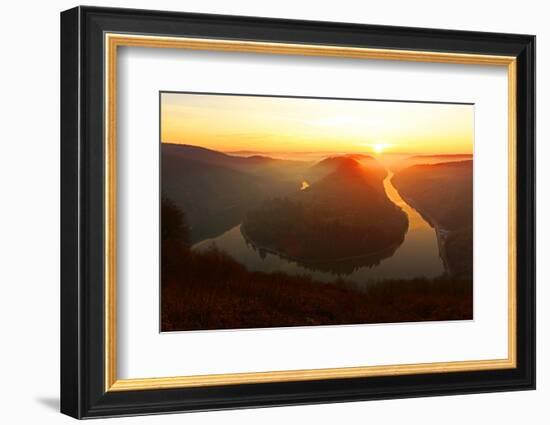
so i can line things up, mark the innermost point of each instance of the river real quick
(417, 256)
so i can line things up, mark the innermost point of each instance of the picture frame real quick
(91, 38)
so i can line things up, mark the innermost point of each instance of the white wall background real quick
(29, 215)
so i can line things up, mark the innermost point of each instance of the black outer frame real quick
(82, 212)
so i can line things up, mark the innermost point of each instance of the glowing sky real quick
(271, 124)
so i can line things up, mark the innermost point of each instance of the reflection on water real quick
(418, 255)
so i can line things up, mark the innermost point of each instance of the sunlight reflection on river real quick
(418, 255)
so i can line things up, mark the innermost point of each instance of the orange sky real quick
(271, 125)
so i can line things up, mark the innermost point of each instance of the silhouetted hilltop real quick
(342, 215)
(444, 157)
(429, 159)
(346, 180)
(368, 164)
(359, 156)
(215, 190)
(443, 189)
(443, 194)
(198, 153)
(243, 163)
(334, 162)
(213, 197)
(260, 159)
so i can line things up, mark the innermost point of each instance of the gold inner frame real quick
(113, 41)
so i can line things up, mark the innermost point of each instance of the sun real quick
(379, 147)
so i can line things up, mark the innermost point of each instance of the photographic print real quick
(294, 211)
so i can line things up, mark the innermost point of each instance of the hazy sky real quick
(269, 124)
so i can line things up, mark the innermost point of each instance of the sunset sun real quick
(379, 147)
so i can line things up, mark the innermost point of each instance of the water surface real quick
(417, 256)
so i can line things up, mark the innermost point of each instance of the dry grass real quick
(211, 291)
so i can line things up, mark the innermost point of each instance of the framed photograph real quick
(261, 212)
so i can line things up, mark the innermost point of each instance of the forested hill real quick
(215, 190)
(371, 169)
(344, 214)
(443, 194)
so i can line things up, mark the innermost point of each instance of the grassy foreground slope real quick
(210, 290)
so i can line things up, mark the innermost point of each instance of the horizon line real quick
(243, 152)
